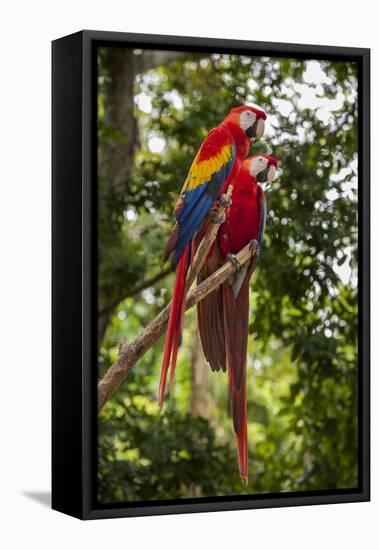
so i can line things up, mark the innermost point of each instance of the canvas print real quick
(227, 275)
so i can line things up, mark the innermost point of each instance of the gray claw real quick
(233, 258)
(254, 247)
(266, 187)
(217, 216)
(224, 201)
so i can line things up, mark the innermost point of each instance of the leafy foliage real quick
(303, 344)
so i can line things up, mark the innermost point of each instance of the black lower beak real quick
(262, 176)
(251, 132)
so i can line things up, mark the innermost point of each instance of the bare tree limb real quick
(136, 290)
(131, 352)
(217, 217)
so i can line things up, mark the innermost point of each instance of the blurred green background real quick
(154, 110)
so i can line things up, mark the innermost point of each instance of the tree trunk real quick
(118, 159)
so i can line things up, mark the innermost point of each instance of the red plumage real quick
(224, 314)
(242, 223)
(191, 211)
(175, 326)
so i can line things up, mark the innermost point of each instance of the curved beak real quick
(257, 130)
(271, 174)
(267, 175)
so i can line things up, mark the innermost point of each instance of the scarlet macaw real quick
(223, 316)
(214, 167)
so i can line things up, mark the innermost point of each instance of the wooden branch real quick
(130, 353)
(217, 218)
(136, 290)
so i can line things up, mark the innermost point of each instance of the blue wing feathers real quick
(197, 203)
(263, 225)
(191, 199)
(229, 166)
(191, 225)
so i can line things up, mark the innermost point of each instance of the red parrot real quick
(223, 316)
(214, 167)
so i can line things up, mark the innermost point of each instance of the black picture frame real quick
(74, 410)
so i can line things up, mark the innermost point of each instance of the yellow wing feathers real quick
(201, 171)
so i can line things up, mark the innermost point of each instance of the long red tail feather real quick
(242, 444)
(177, 340)
(236, 312)
(175, 326)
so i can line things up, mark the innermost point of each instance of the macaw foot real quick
(233, 258)
(254, 247)
(225, 201)
(217, 215)
(266, 187)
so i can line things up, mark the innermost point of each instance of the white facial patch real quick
(247, 119)
(258, 164)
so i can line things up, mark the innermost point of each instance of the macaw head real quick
(249, 119)
(262, 168)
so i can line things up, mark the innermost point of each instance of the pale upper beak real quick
(271, 174)
(266, 175)
(260, 128)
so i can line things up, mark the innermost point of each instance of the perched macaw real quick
(214, 167)
(223, 316)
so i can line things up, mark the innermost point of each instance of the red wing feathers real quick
(210, 316)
